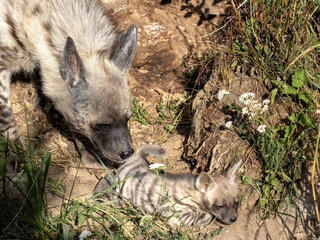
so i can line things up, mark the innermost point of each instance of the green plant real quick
(30, 184)
(140, 114)
(170, 112)
(280, 42)
(281, 149)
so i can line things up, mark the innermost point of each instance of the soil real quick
(172, 39)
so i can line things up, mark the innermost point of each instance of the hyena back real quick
(82, 62)
(196, 198)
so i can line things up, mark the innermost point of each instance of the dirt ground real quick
(172, 37)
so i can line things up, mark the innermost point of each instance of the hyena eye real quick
(99, 126)
(128, 116)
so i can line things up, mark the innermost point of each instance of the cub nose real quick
(233, 219)
(126, 154)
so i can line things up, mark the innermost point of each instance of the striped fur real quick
(196, 198)
(82, 62)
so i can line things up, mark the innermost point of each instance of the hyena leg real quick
(188, 216)
(87, 160)
(105, 183)
(8, 124)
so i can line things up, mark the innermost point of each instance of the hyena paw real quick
(88, 161)
(104, 184)
(191, 219)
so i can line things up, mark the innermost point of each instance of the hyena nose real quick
(233, 219)
(126, 154)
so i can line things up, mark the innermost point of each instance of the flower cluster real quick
(221, 94)
(261, 128)
(253, 106)
(155, 166)
(246, 98)
(228, 124)
(84, 234)
(145, 220)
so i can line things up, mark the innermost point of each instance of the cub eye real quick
(219, 206)
(100, 125)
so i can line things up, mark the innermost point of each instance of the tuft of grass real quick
(169, 111)
(140, 114)
(26, 215)
(23, 198)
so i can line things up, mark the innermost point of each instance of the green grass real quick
(23, 199)
(25, 212)
(170, 112)
(280, 41)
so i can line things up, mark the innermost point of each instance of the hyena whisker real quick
(192, 199)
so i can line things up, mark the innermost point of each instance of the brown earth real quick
(172, 39)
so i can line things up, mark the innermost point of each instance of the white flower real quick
(261, 128)
(264, 108)
(245, 110)
(84, 234)
(252, 114)
(155, 166)
(266, 102)
(246, 96)
(221, 93)
(145, 219)
(228, 124)
(256, 107)
(247, 101)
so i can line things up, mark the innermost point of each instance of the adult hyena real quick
(82, 64)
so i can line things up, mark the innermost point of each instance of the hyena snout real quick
(115, 142)
(230, 216)
(123, 142)
(233, 218)
(126, 153)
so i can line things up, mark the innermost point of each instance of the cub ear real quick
(71, 66)
(232, 172)
(124, 49)
(204, 182)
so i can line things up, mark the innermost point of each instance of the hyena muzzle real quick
(82, 63)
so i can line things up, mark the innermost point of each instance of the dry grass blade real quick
(312, 178)
(301, 55)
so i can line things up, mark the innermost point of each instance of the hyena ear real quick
(71, 65)
(124, 48)
(232, 172)
(204, 182)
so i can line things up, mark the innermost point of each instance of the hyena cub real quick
(82, 62)
(197, 199)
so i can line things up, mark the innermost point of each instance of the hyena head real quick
(220, 194)
(100, 96)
